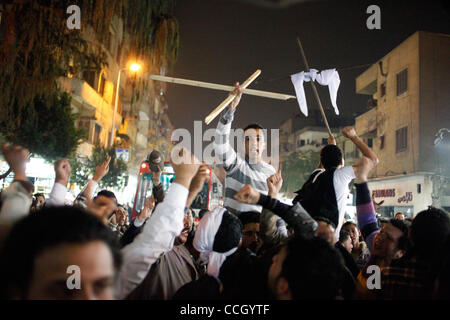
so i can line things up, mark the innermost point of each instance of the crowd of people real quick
(253, 247)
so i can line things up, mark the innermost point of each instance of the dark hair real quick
(34, 234)
(343, 236)
(36, 195)
(443, 291)
(313, 268)
(330, 156)
(107, 194)
(229, 233)
(349, 223)
(403, 241)
(429, 230)
(326, 220)
(253, 126)
(249, 217)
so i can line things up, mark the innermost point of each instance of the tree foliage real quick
(47, 127)
(297, 168)
(37, 48)
(84, 169)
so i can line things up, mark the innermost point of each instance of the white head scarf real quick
(204, 241)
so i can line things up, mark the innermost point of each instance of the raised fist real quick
(247, 195)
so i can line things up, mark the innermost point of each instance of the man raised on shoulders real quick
(239, 172)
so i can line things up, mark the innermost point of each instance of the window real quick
(382, 142)
(97, 131)
(324, 141)
(300, 143)
(89, 77)
(402, 82)
(370, 142)
(102, 86)
(383, 89)
(401, 139)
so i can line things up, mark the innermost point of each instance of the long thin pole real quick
(222, 87)
(230, 98)
(316, 94)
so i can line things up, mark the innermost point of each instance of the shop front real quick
(408, 194)
(38, 171)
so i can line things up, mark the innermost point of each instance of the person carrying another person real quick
(326, 191)
(239, 172)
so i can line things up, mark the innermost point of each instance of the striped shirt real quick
(239, 171)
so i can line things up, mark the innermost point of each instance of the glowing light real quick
(135, 67)
(144, 165)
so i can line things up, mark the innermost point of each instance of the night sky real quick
(226, 41)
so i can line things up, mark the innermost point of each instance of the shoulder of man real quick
(269, 167)
(345, 173)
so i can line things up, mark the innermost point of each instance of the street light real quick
(134, 68)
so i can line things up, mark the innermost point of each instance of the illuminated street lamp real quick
(134, 68)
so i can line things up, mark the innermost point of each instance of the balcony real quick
(366, 83)
(366, 122)
(89, 102)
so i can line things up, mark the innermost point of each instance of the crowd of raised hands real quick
(162, 254)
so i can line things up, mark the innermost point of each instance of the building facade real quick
(141, 123)
(409, 90)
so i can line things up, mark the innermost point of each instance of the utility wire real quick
(289, 76)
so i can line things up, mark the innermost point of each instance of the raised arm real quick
(295, 216)
(268, 222)
(197, 182)
(59, 190)
(159, 233)
(86, 195)
(17, 197)
(365, 211)
(350, 133)
(224, 152)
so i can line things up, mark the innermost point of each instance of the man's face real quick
(254, 144)
(121, 216)
(325, 231)
(275, 269)
(385, 243)
(347, 244)
(50, 278)
(250, 236)
(187, 222)
(40, 202)
(354, 234)
(109, 203)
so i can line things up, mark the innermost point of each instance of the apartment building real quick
(409, 90)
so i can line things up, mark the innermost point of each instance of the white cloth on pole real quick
(329, 77)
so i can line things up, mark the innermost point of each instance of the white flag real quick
(329, 77)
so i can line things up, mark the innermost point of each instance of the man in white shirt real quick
(158, 235)
(326, 191)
